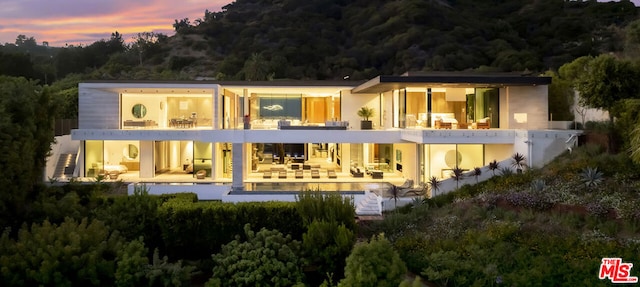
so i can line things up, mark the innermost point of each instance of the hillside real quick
(546, 227)
(260, 39)
(331, 39)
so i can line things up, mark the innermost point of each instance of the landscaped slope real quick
(548, 227)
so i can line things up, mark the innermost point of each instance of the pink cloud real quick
(71, 22)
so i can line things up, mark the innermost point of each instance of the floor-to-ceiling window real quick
(202, 157)
(416, 107)
(440, 160)
(487, 106)
(166, 110)
(93, 157)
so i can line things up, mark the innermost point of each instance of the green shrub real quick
(70, 254)
(133, 268)
(134, 216)
(329, 207)
(266, 258)
(374, 263)
(326, 245)
(191, 230)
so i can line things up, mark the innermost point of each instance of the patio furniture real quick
(114, 174)
(440, 124)
(282, 174)
(356, 172)
(299, 173)
(376, 174)
(315, 173)
(484, 123)
(331, 173)
(266, 174)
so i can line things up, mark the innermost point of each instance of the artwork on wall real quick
(139, 111)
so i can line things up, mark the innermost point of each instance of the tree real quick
(458, 175)
(256, 68)
(182, 26)
(266, 258)
(326, 245)
(476, 173)
(70, 254)
(493, 166)
(602, 81)
(26, 135)
(434, 184)
(148, 44)
(374, 263)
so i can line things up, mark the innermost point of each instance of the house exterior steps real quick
(370, 205)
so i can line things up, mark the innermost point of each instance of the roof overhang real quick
(382, 84)
(207, 86)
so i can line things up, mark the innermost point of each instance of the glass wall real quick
(93, 158)
(276, 106)
(202, 157)
(439, 160)
(166, 111)
(487, 105)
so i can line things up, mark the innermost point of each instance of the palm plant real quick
(394, 193)
(518, 162)
(458, 174)
(365, 113)
(434, 183)
(591, 177)
(476, 173)
(493, 166)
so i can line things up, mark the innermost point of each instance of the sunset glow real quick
(63, 22)
(67, 22)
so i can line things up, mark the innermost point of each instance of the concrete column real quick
(238, 166)
(147, 165)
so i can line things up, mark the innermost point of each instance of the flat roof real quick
(381, 84)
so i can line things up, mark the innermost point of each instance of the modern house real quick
(241, 132)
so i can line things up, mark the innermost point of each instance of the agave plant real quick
(505, 171)
(538, 185)
(493, 166)
(591, 177)
(518, 162)
(476, 173)
(434, 183)
(458, 175)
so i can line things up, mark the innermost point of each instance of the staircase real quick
(65, 166)
(370, 205)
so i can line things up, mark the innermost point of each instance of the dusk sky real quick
(76, 22)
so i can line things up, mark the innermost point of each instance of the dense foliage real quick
(374, 264)
(266, 258)
(26, 134)
(258, 40)
(547, 227)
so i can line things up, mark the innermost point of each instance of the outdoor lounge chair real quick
(299, 173)
(282, 174)
(315, 173)
(266, 174)
(331, 173)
